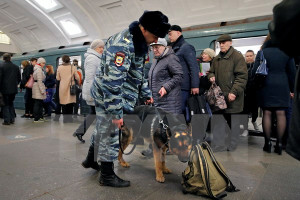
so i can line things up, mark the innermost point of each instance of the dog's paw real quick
(160, 179)
(125, 164)
(167, 171)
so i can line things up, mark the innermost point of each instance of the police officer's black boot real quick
(109, 178)
(89, 162)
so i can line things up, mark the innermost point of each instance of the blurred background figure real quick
(27, 72)
(50, 82)
(78, 92)
(66, 74)
(39, 90)
(250, 100)
(10, 77)
(204, 63)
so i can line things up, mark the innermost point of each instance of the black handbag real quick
(72, 86)
(198, 105)
(261, 72)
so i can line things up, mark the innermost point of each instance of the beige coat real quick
(64, 76)
(38, 88)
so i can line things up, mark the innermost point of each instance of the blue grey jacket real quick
(119, 79)
(166, 72)
(187, 56)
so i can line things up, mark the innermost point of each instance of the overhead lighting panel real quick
(4, 39)
(70, 27)
(48, 5)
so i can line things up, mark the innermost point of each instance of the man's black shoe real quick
(113, 181)
(6, 123)
(109, 178)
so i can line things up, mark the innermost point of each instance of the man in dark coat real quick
(187, 56)
(10, 77)
(285, 31)
(229, 71)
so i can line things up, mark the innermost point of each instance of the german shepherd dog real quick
(156, 130)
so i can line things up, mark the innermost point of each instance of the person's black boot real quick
(268, 146)
(79, 137)
(109, 178)
(89, 162)
(278, 148)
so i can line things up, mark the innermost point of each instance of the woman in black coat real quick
(274, 96)
(27, 72)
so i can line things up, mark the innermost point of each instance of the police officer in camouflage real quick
(117, 86)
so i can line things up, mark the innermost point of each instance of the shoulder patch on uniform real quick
(119, 58)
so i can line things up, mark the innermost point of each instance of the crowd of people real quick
(115, 81)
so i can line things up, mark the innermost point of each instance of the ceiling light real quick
(70, 27)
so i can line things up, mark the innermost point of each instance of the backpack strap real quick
(205, 172)
(230, 187)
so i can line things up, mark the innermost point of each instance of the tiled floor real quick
(42, 161)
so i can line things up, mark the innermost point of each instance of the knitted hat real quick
(210, 52)
(155, 22)
(41, 60)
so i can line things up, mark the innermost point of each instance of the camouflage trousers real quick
(105, 137)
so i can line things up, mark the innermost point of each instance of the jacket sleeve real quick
(240, 76)
(211, 71)
(40, 81)
(145, 90)
(191, 60)
(175, 69)
(58, 74)
(109, 82)
(291, 72)
(19, 75)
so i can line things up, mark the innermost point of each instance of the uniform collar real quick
(139, 42)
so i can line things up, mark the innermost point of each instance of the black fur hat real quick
(155, 22)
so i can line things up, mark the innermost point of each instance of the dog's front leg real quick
(158, 159)
(164, 168)
(126, 139)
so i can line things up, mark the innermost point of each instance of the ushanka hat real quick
(155, 22)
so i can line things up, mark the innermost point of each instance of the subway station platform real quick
(42, 161)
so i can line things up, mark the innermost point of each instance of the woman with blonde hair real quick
(50, 90)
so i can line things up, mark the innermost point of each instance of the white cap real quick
(41, 60)
(160, 41)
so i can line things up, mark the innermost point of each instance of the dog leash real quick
(134, 142)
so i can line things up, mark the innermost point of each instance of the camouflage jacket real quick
(119, 79)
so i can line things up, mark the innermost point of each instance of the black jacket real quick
(251, 75)
(50, 81)
(27, 71)
(187, 56)
(10, 77)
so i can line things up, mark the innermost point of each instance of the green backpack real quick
(204, 175)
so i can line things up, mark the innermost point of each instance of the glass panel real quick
(245, 44)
